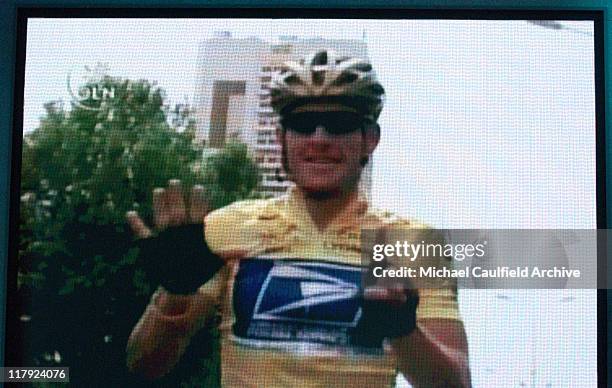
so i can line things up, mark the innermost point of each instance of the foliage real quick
(82, 170)
(224, 182)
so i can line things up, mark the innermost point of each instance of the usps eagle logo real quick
(310, 292)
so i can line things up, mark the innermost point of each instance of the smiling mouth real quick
(322, 160)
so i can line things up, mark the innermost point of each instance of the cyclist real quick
(288, 294)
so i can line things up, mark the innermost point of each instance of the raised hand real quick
(171, 209)
(174, 252)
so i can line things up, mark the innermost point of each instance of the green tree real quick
(82, 170)
(230, 175)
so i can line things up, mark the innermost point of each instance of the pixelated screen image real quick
(278, 141)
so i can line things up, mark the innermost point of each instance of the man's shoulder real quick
(234, 227)
(390, 219)
(244, 210)
(408, 228)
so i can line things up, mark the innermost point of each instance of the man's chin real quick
(321, 194)
(323, 191)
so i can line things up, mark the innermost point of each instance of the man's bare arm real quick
(435, 354)
(164, 331)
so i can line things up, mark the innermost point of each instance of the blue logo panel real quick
(297, 301)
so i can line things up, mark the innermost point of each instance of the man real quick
(289, 294)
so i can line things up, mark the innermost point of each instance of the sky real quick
(486, 124)
(510, 99)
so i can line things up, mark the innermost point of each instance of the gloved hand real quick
(387, 312)
(179, 259)
(177, 256)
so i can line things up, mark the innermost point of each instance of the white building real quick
(227, 86)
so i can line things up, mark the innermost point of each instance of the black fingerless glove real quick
(380, 320)
(179, 259)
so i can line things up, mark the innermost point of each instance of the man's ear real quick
(279, 134)
(372, 137)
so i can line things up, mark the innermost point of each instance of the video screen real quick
(195, 194)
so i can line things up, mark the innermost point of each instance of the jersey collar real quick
(348, 219)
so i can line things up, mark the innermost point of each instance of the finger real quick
(160, 213)
(397, 294)
(198, 204)
(375, 293)
(175, 203)
(138, 226)
(384, 294)
(172, 304)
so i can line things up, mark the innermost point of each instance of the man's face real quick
(324, 162)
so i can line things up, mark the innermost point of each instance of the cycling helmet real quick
(325, 78)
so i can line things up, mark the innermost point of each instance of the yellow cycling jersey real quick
(289, 303)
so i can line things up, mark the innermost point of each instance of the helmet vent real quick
(318, 77)
(319, 59)
(365, 67)
(292, 80)
(345, 78)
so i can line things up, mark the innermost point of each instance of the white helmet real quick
(323, 77)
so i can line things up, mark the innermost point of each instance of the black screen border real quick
(13, 338)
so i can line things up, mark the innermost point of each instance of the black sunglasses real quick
(334, 123)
